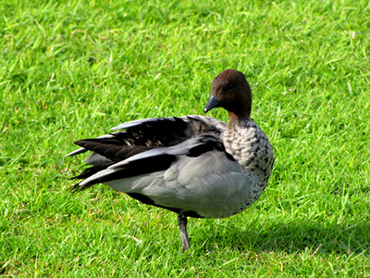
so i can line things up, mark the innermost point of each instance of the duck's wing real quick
(139, 137)
(153, 160)
(196, 177)
(192, 174)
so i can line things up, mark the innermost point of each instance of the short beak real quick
(212, 103)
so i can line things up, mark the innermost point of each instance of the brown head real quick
(231, 91)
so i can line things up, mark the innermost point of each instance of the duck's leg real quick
(184, 234)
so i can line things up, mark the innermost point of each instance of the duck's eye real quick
(230, 86)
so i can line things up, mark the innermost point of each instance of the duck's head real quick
(231, 91)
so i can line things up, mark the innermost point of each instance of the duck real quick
(196, 166)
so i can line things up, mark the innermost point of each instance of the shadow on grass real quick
(293, 237)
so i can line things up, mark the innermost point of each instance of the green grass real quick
(308, 65)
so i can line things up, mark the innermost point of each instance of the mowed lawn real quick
(74, 69)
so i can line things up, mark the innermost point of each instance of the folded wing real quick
(149, 138)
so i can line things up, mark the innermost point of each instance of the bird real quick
(196, 166)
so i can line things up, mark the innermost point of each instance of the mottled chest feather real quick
(249, 145)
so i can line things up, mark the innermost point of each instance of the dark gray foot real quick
(184, 234)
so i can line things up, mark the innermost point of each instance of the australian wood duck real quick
(196, 166)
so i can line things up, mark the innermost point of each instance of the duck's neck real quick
(236, 120)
